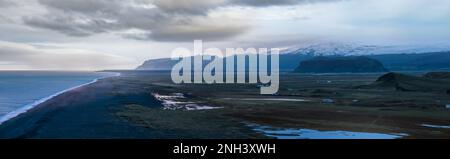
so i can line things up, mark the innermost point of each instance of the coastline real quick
(109, 109)
(36, 103)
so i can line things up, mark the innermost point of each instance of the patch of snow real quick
(328, 48)
(165, 97)
(177, 101)
(200, 107)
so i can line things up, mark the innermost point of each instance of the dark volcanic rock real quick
(340, 64)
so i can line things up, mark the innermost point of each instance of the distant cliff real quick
(288, 62)
(157, 64)
(340, 64)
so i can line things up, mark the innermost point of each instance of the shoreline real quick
(30, 106)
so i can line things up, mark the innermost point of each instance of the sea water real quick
(22, 90)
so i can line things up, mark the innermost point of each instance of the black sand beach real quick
(85, 112)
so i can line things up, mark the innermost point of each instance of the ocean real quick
(23, 90)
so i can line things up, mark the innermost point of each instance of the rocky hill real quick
(340, 64)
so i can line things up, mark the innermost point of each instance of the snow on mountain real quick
(347, 49)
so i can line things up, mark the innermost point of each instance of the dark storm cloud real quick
(160, 20)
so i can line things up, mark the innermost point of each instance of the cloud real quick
(156, 20)
(205, 32)
(70, 24)
(24, 56)
(6, 3)
(263, 3)
(188, 6)
(160, 20)
(197, 28)
(87, 6)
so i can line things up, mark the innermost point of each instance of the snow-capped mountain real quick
(400, 57)
(347, 49)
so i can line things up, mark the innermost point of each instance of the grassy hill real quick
(403, 82)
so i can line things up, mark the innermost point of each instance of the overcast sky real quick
(121, 34)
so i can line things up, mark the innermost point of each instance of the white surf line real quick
(30, 106)
(436, 126)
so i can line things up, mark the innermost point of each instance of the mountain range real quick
(393, 58)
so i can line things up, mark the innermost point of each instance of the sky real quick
(121, 34)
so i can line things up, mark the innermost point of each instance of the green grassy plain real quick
(352, 109)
